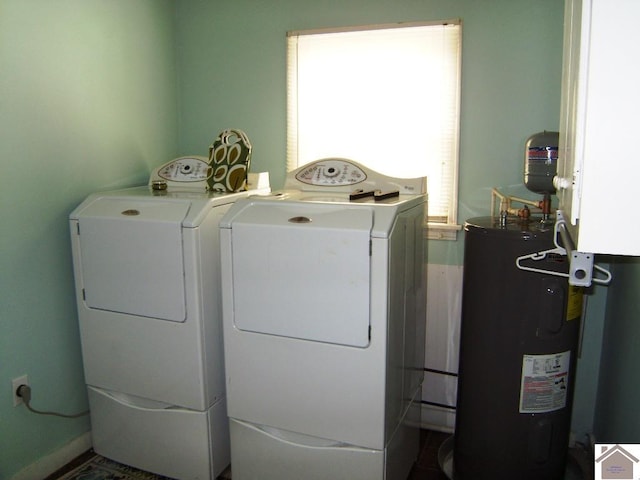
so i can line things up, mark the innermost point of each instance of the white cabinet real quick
(597, 168)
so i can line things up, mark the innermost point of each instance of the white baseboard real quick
(58, 459)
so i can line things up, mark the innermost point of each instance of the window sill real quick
(442, 231)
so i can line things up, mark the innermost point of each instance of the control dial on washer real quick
(331, 172)
(189, 173)
(186, 169)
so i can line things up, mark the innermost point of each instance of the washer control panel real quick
(184, 172)
(340, 175)
(331, 172)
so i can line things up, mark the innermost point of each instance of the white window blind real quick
(385, 96)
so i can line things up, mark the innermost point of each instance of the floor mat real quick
(100, 468)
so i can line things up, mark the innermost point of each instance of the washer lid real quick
(132, 257)
(303, 271)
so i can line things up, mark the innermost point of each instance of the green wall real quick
(87, 102)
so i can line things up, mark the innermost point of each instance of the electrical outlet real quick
(15, 383)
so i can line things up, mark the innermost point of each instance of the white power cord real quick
(24, 392)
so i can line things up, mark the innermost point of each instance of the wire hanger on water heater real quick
(581, 266)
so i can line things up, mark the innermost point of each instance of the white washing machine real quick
(324, 324)
(146, 266)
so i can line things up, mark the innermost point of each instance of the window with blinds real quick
(386, 96)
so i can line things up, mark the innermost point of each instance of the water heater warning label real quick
(545, 380)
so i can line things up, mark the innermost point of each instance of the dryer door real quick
(303, 271)
(132, 258)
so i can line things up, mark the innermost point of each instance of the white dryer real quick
(146, 266)
(324, 324)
